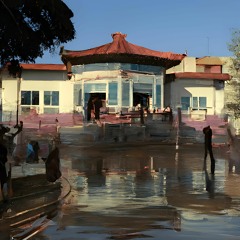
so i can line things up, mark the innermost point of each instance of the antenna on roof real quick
(208, 40)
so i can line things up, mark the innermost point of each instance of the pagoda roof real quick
(120, 50)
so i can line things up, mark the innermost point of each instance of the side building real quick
(41, 89)
(197, 86)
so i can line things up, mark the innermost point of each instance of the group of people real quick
(93, 107)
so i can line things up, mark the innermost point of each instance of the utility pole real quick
(18, 92)
(208, 41)
(19, 79)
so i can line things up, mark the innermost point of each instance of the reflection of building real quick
(122, 74)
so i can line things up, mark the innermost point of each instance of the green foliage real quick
(235, 108)
(14, 68)
(30, 27)
(234, 47)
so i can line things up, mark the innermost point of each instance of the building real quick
(41, 89)
(197, 86)
(122, 74)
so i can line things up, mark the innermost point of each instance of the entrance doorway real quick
(142, 99)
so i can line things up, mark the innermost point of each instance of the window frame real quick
(199, 103)
(51, 99)
(31, 98)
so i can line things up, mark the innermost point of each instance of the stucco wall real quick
(40, 81)
(188, 64)
(193, 88)
(9, 95)
(47, 75)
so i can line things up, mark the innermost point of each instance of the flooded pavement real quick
(33, 202)
(146, 192)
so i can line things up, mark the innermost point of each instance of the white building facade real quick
(197, 85)
(41, 89)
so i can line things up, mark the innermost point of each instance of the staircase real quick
(217, 124)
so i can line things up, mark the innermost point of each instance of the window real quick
(125, 94)
(51, 98)
(77, 94)
(195, 103)
(158, 96)
(29, 98)
(185, 102)
(202, 102)
(113, 92)
(199, 103)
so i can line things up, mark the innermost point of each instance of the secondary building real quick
(197, 86)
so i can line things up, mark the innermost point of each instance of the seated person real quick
(167, 109)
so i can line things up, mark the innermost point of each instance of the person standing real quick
(234, 150)
(3, 172)
(97, 103)
(208, 147)
(89, 108)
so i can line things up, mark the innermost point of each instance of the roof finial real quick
(118, 34)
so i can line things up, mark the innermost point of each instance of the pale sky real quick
(202, 27)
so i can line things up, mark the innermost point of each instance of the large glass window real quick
(113, 92)
(77, 94)
(195, 103)
(199, 103)
(202, 102)
(125, 94)
(51, 98)
(29, 98)
(158, 96)
(185, 102)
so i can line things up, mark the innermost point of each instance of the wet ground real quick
(152, 191)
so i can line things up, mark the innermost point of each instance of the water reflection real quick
(127, 193)
(27, 213)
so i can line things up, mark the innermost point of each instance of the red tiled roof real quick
(201, 75)
(52, 67)
(119, 50)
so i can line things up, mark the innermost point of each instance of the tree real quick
(233, 104)
(30, 27)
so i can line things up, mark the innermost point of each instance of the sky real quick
(200, 27)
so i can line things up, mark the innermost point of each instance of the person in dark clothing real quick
(3, 160)
(89, 108)
(53, 165)
(168, 111)
(97, 103)
(141, 112)
(208, 147)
